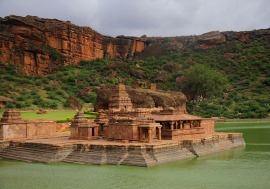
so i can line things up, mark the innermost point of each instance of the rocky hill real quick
(68, 60)
(40, 45)
(160, 46)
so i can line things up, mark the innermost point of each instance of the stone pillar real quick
(192, 124)
(171, 125)
(159, 133)
(149, 135)
(140, 134)
(89, 132)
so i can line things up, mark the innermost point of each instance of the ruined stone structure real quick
(12, 126)
(80, 128)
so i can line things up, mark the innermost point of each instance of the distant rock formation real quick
(211, 39)
(40, 46)
(160, 46)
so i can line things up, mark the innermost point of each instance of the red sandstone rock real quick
(40, 45)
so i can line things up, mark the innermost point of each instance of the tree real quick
(201, 81)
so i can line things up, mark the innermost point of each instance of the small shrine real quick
(81, 129)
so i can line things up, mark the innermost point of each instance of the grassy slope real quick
(51, 115)
(247, 67)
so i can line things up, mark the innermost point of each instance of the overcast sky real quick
(149, 17)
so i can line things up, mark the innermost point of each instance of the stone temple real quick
(123, 122)
(120, 135)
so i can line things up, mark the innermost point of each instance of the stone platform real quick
(118, 152)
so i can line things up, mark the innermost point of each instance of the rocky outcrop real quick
(39, 45)
(160, 46)
(143, 98)
(211, 39)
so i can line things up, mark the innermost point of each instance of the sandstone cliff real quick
(40, 45)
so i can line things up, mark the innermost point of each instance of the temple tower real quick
(120, 99)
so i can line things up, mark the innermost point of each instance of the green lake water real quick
(247, 168)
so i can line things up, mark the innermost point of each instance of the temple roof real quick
(174, 117)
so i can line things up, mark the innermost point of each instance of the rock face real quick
(160, 46)
(211, 39)
(39, 45)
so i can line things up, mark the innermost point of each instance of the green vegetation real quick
(58, 116)
(50, 115)
(201, 81)
(231, 80)
(54, 54)
(228, 125)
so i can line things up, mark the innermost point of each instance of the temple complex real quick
(122, 122)
(120, 135)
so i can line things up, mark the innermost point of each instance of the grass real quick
(59, 116)
(239, 124)
(50, 115)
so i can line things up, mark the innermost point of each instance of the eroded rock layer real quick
(40, 45)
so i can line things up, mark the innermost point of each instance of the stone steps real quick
(139, 159)
(115, 157)
(34, 154)
(212, 147)
(86, 157)
(173, 155)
